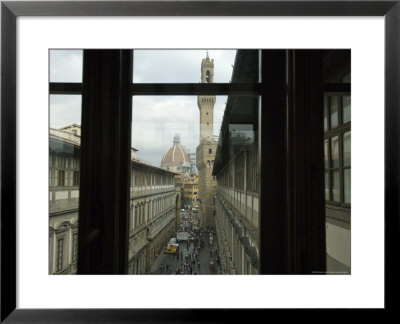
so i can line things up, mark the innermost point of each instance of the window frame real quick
(339, 131)
(284, 68)
(60, 256)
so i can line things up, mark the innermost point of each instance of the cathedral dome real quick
(176, 158)
(176, 154)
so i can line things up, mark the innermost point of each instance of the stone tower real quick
(205, 152)
(206, 103)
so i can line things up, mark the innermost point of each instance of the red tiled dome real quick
(176, 154)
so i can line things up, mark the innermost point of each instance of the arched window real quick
(208, 77)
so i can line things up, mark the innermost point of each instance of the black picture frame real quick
(10, 10)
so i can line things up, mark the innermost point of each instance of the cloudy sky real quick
(155, 119)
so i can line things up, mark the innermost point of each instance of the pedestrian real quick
(198, 264)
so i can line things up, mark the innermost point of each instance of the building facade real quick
(153, 214)
(337, 162)
(236, 169)
(153, 208)
(238, 175)
(190, 190)
(64, 175)
(205, 152)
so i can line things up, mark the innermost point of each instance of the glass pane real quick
(183, 66)
(347, 149)
(66, 65)
(335, 186)
(335, 152)
(347, 185)
(346, 103)
(347, 78)
(64, 176)
(326, 185)
(333, 105)
(326, 109)
(326, 154)
(180, 171)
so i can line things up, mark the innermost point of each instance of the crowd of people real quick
(188, 257)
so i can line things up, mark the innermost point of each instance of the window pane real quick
(238, 138)
(335, 186)
(327, 185)
(60, 255)
(239, 172)
(346, 103)
(66, 65)
(347, 185)
(347, 149)
(183, 66)
(347, 78)
(166, 173)
(64, 154)
(333, 105)
(174, 151)
(326, 109)
(335, 152)
(326, 154)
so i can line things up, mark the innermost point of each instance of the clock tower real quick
(206, 103)
(205, 152)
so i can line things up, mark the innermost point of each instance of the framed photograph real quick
(257, 188)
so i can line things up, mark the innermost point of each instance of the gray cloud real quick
(180, 66)
(65, 110)
(66, 65)
(156, 119)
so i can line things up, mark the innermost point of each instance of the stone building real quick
(337, 162)
(154, 206)
(64, 175)
(153, 214)
(190, 190)
(205, 151)
(238, 186)
(238, 219)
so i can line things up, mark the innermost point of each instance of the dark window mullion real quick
(330, 167)
(195, 89)
(341, 179)
(105, 145)
(142, 89)
(65, 88)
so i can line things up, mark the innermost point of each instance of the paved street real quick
(169, 263)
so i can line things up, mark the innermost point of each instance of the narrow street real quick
(189, 253)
